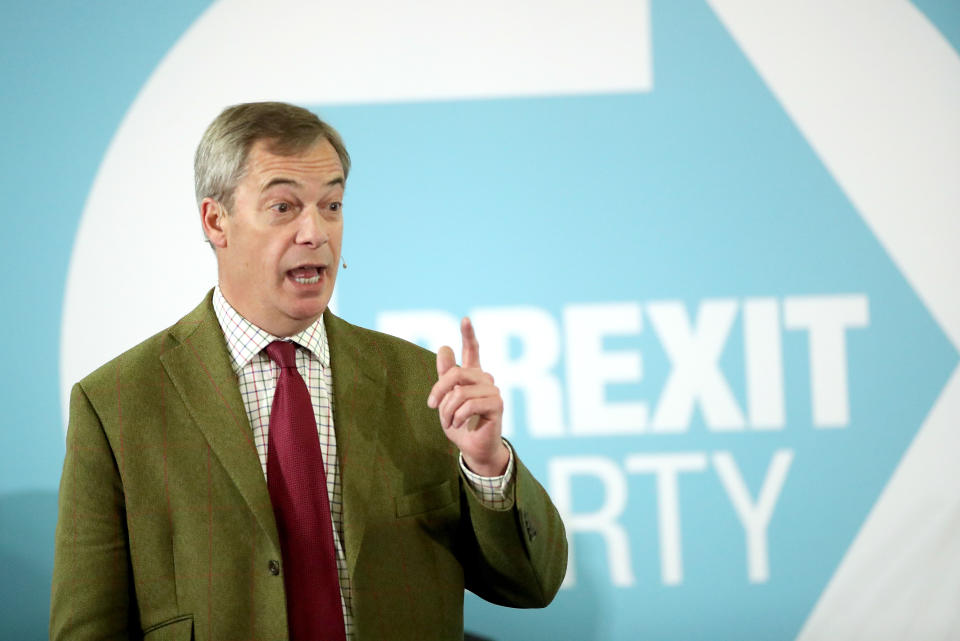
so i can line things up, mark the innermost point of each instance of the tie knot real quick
(283, 353)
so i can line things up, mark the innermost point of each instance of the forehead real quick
(319, 162)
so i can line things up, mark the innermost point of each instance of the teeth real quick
(306, 275)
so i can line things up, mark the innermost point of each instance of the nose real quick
(312, 228)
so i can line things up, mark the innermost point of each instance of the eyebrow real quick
(290, 181)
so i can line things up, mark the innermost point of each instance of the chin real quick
(309, 310)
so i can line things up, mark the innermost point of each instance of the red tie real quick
(298, 491)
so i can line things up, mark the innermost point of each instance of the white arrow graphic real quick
(875, 89)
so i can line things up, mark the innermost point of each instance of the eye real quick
(281, 207)
(336, 206)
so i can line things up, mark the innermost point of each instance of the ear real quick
(213, 217)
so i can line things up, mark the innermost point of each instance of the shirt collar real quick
(245, 340)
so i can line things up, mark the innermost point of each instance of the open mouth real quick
(307, 274)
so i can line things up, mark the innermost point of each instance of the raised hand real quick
(470, 406)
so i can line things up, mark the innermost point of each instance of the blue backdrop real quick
(712, 363)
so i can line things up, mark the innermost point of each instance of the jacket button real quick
(274, 567)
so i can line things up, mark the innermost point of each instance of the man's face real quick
(280, 244)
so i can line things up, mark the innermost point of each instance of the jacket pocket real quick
(432, 498)
(177, 629)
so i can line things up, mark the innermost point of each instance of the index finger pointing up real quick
(470, 356)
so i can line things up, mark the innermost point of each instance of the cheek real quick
(272, 257)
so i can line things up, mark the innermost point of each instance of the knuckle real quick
(466, 409)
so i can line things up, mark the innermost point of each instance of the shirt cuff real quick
(494, 492)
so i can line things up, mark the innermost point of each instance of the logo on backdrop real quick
(701, 344)
(695, 382)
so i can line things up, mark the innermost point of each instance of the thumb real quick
(445, 360)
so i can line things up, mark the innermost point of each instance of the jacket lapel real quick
(358, 414)
(199, 366)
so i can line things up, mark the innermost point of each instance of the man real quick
(265, 470)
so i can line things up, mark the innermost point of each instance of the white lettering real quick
(531, 372)
(755, 517)
(604, 521)
(589, 368)
(763, 356)
(695, 374)
(826, 318)
(667, 467)
(427, 327)
(522, 347)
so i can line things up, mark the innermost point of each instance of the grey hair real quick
(221, 158)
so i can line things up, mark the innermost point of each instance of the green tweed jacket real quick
(166, 531)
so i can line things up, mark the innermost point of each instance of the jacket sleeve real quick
(516, 557)
(92, 592)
